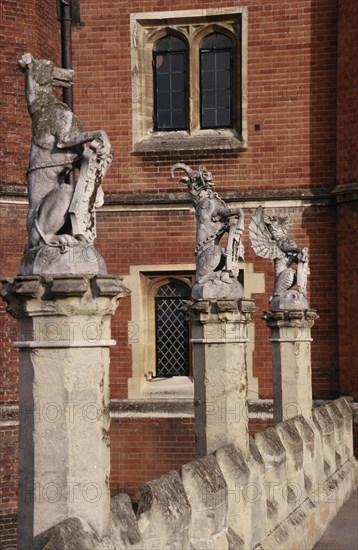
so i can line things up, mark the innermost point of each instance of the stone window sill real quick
(183, 141)
(176, 387)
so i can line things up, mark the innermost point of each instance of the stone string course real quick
(283, 494)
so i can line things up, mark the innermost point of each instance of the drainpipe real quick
(64, 16)
(68, 12)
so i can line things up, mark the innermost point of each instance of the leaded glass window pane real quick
(216, 81)
(172, 331)
(170, 84)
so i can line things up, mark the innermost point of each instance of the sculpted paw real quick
(63, 240)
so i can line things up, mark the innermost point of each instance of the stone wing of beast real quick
(261, 239)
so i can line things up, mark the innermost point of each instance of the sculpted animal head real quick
(197, 181)
(279, 224)
(40, 76)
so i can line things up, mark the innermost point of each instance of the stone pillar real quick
(291, 362)
(63, 341)
(219, 334)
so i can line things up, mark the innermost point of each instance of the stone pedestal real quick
(63, 341)
(291, 362)
(219, 335)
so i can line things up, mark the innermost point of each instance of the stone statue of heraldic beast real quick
(217, 267)
(269, 239)
(61, 221)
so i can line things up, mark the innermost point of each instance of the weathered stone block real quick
(206, 490)
(82, 258)
(325, 427)
(306, 524)
(337, 418)
(291, 440)
(235, 469)
(164, 514)
(65, 398)
(274, 457)
(234, 541)
(124, 530)
(259, 502)
(246, 493)
(309, 450)
(346, 410)
(70, 534)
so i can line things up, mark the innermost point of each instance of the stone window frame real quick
(144, 280)
(193, 25)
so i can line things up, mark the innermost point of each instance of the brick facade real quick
(302, 129)
(347, 211)
(144, 448)
(8, 481)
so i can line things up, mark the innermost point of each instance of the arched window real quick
(172, 331)
(170, 84)
(216, 81)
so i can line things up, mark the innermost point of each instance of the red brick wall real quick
(8, 483)
(27, 26)
(347, 172)
(259, 425)
(291, 93)
(11, 247)
(13, 238)
(347, 100)
(347, 231)
(144, 448)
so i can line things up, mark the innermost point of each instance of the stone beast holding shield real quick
(61, 214)
(216, 267)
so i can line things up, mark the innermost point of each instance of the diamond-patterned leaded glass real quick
(172, 331)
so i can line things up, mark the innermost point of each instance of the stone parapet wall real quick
(282, 494)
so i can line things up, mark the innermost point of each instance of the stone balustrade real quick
(282, 494)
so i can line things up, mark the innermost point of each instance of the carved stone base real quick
(289, 301)
(80, 259)
(218, 289)
(291, 362)
(219, 330)
(64, 336)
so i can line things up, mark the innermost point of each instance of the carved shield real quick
(88, 194)
(303, 271)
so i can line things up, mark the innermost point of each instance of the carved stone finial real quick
(268, 236)
(216, 267)
(61, 222)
